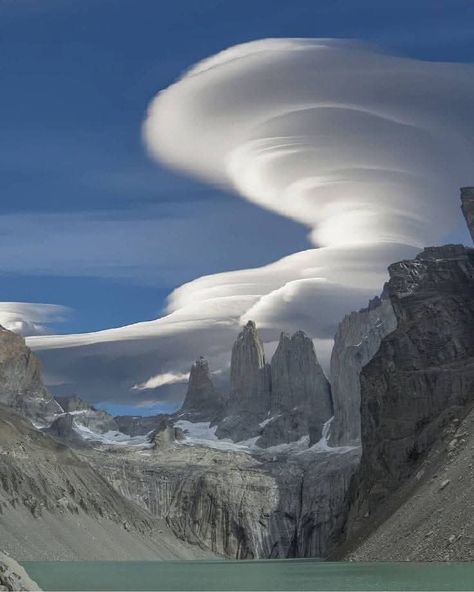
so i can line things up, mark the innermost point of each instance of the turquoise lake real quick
(249, 575)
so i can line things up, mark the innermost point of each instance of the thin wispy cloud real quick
(160, 380)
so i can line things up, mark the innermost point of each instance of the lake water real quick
(290, 574)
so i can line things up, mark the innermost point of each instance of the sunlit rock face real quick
(357, 339)
(21, 386)
(202, 402)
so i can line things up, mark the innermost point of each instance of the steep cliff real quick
(300, 393)
(202, 401)
(357, 339)
(237, 504)
(421, 377)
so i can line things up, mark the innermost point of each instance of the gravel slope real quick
(54, 505)
(435, 521)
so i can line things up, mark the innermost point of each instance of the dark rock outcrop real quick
(357, 339)
(300, 393)
(139, 425)
(21, 387)
(467, 200)
(62, 428)
(421, 377)
(202, 402)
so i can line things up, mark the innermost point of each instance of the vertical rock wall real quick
(357, 339)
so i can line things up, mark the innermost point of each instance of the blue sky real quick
(87, 220)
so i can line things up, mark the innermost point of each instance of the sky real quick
(90, 221)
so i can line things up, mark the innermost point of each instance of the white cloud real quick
(27, 318)
(365, 149)
(160, 380)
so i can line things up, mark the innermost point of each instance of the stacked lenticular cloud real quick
(365, 149)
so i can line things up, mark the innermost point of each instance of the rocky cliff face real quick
(202, 401)
(21, 387)
(249, 374)
(249, 399)
(467, 200)
(422, 375)
(240, 505)
(300, 393)
(357, 339)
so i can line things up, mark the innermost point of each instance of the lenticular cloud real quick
(359, 146)
(365, 149)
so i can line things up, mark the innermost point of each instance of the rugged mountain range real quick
(283, 465)
(279, 402)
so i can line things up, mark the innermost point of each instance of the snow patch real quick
(201, 434)
(112, 438)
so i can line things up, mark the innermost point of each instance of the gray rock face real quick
(21, 387)
(300, 393)
(87, 415)
(202, 401)
(422, 375)
(238, 505)
(249, 373)
(249, 400)
(467, 199)
(357, 339)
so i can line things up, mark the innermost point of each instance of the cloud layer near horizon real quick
(29, 318)
(365, 149)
